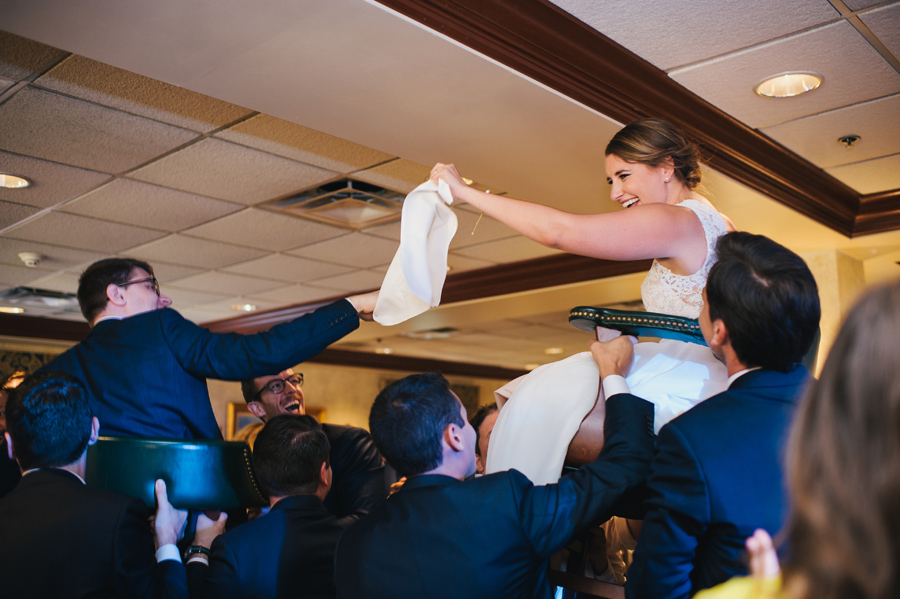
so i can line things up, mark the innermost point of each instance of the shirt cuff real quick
(168, 551)
(615, 384)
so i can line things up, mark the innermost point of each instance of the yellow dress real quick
(745, 587)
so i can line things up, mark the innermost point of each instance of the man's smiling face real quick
(289, 401)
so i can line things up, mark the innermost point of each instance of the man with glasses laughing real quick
(145, 366)
(359, 478)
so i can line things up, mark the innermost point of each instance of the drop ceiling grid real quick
(884, 22)
(11, 213)
(294, 294)
(871, 176)
(288, 268)
(265, 230)
(228, 171)
(877, 122)
(54, 257)
(21, 57)
(53, 127)
(351, 282)
(134, 94)
(355, 250)
(143, 204)
(835, 51)
(507, 250)
(201, 253)
(84, 233)
(227, 283)
(57, 182)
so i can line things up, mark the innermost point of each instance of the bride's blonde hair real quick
(651, 142)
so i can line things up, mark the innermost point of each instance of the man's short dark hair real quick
(767, 298)
(248, 390)
(288, 455)
(98, 276)
(408, 419)
(49, 417)
(478, 419)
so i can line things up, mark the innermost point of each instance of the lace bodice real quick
(682, 295)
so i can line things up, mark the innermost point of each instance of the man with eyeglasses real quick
(359, 478)
(145, 366)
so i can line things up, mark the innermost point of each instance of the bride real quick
(654, 171)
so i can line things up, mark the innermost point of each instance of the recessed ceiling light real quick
(11, 310)
(531, 366)
(384, 350)
(786, 85)
(13, 181)
(552, 351)
(244, 307)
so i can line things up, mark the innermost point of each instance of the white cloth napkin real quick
(416, 276)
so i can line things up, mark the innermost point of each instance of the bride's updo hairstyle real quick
(651, 142)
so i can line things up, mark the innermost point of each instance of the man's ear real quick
(95, 430)
(453, 437)
(114, 295)
(9, 446)
(257, 410)
(719, 336)
(325, 475)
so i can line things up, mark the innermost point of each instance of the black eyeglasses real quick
(276, 386)
(154, 284)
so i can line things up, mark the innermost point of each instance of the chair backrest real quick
(199, 474)
(638, 324)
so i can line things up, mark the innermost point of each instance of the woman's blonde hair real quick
(652, 142)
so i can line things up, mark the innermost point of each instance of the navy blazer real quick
(146, 375)
(491, 536)
(717, 475)
(61, 538)
(288, 552)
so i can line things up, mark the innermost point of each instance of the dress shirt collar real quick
(737, 375)
(27, 472)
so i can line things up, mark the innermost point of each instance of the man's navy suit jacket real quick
(717, 475)
(288, 552)
(491, 536)
(60, 538)
(146, 375)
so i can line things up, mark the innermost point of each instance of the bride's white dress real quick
(545, 407)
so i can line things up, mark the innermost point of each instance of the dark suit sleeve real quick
(552, 514)
(233, 357)
(221, 579)
(359, 484)
(135, 571)
(678, 514)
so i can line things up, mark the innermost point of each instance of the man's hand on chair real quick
(614, 357)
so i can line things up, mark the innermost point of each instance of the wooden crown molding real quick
(547, 44)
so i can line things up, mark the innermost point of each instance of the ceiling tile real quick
(885, 24)
(227, 283)
(11, 213)
(859, 4)
(871, 176)
(166, 273)
(73, 316)
(668, 34)
(200, 316)
(836, 51)
(487, 229)
(21, 57)
(18, 276)
(464, 263)
(400, 175)
(137, 203)
(296, 142)
(188, 297)
(357, 250)
(46, 125)
(354, 282)
(194, 252)
(116, 88)
(816, 137)
(82, 233)
(61, 281)
(239, 300)
(294, 294)
(5, 84)
(513, 249)
(52, 183)
(52, 257)
(227, 171)
(287, 268)
(266, 230)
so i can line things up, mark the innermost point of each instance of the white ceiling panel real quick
(21, 57)
(106, 85)
(266, 230)
(464, 263)
(83, 233)
(506, 250)
(472, 231)
(302, 144)
(227, 171)
(11, 213)
(835, 51)
(885, 24)
(871, 176)
(670, 33)
(17, 276)
(201, 316)
(165, 273)
(287, 268)
(399, 175)
(182, 298)
(816, 137)
(227, 283)
(62, 281)
(360, 280)
(294, 294)
(52, 183)
(225, 304)
(53, 257)
(137, 203)
(201, 253)
(356, 250)
(46, 125)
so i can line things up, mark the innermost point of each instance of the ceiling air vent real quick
(346, 203)
(31, 297)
